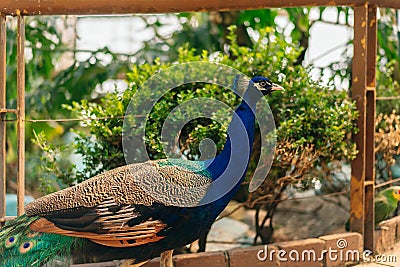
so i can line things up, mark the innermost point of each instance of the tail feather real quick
(20, 246)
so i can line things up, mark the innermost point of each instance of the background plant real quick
(48, 87)
(313, 121)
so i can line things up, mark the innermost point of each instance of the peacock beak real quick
(276, 87)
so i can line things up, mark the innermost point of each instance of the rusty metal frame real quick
(97, 7)
(369, 186)
(20, 113)
(363, 92)
(3, 39)
(363, 78)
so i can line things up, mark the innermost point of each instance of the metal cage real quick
(363, 83)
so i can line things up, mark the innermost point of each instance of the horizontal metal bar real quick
(7, 219)
(100, 7)
(78, 119)
(387, 183)
(388, 97)
(368, 183)
(5, 110)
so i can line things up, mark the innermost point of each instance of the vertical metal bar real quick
(21, 113)
(3, 33)
(369, 224)
(359, 73)
(371, 47)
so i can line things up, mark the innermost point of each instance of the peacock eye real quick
(263, 83)
(11, 241)
(25, 247)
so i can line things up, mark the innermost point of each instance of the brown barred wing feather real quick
(118, 185)
(134, 184)
(125, 237)
(113, 228)
(121, 207)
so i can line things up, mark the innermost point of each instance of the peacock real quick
(112, 216)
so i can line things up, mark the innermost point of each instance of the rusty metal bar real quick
(97, 7)
(363, 92)
(387, 183)
(21, 114)
(369, 224)
(372, 30)
(359, 78)
(7, 219)
(386, 3)
(7, 110)
(3, 52)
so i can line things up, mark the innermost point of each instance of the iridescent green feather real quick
(20, 246)
(197, 167)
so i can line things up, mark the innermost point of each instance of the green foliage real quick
(388, 35)
(208, 31)
(42, 39)
(48, 87)
(52, 165)
(387, 87)
(306, 113)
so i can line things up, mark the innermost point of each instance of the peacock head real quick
(265, 85)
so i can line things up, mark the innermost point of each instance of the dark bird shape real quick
(127, 212)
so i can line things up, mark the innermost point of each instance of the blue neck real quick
(244, 117)
(233, 161)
